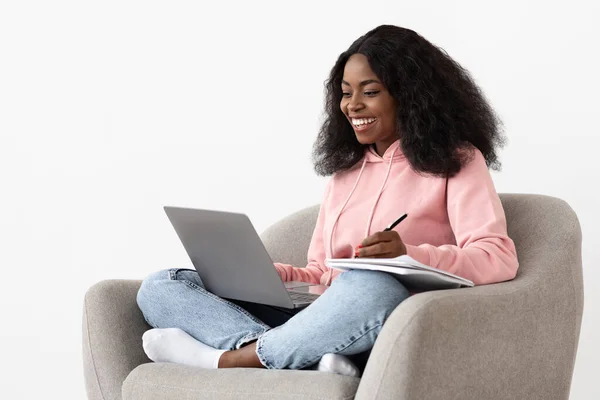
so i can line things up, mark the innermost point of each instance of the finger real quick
(383, 236)
(380, 249)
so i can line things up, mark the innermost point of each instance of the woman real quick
(406, 131)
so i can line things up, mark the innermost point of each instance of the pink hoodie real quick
(455, 224)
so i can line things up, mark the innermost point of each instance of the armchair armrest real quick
(486, 342)
(511, 340)
(112, 330)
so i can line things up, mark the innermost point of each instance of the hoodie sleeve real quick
(483, 252)
(316, 252)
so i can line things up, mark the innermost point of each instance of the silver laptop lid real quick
(229, 256)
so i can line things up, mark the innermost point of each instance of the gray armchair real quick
(512, 340)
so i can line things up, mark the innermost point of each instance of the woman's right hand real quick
(281, 271)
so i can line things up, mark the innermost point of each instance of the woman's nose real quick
(354, 104)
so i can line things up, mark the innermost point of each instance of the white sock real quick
(176, 346)
(338, 364)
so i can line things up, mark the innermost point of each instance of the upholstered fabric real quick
(158, 381)
(288, 240)
(512, 340)
(112, 337)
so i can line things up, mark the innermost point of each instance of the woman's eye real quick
(370, 93)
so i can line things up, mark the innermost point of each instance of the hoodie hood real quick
(394, 152)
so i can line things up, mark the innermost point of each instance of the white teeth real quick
(363, 121)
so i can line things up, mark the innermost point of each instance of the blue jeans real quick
(346, 319)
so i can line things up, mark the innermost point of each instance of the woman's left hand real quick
(385, 244)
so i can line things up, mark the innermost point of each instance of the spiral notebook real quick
(411, 273)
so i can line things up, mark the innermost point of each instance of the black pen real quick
(396, 222)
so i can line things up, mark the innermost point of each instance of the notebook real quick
(413, 274)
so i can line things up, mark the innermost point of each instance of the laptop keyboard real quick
(303, 297)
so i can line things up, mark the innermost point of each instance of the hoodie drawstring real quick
(379, 194)
(348, 199)
(343, 206)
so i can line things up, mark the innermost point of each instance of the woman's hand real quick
(385, 244)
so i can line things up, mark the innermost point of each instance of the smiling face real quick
(367, 104)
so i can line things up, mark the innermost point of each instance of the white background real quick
(111, 109)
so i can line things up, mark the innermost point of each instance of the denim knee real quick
(158, 289)
(148, 291)
(375, 290)
(152, 282)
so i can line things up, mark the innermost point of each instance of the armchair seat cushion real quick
(165, 381)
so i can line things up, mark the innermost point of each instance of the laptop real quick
(232, 261)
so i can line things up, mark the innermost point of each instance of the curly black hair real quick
(441, 112)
